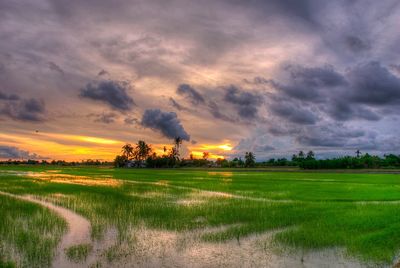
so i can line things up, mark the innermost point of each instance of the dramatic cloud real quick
(294, 113)
(193, 95)
(111, 92)
(366, 91)
(216, 112)
(331, 136)
(304, 74)
(32, 110)
(309, 83)
(165, 122)
(342, 110)
(247, 103)
(10, 152)
(373, 84)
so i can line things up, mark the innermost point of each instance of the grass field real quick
(354, 212)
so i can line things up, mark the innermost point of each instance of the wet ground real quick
(159, 248)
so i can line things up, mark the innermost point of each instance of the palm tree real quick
(250, 159)
(206, 155)
(142, 151)
(127, 151)
(310, 155)
(177, 143)
(358, 153)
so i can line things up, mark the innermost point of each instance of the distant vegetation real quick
(361, 161)
(142, 155)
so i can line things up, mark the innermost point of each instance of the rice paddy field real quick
(105, 217)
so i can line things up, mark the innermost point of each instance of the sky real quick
(78, 79)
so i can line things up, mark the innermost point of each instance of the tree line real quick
(142, 154)
(348, 162)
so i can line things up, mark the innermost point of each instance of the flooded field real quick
(100, 217)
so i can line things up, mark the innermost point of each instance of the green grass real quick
(312, 210)
(30, 230)
(78, 253)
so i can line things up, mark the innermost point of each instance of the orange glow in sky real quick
(199, 154)
(78, 147)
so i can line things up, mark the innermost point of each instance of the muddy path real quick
(78, 229)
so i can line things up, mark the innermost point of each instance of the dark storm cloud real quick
(342, 110)
(373, 84)
(32, 110)
(215, 111)
(214, 106)
(330, 136)
(293, 113)
(312, 115)
(246, 103)
(307, 83)
(111, 92)
(179, 41)
(192, 94)
(11, 152)
(366, 91)
(167, 123)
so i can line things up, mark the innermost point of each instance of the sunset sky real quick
(78, 79)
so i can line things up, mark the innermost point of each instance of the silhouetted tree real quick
(120, 161)
(206, 155)
(127, 151)
(310, 155)
(141, 151)
(250, 159)
(177, 143)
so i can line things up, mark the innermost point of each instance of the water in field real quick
(120, 221)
